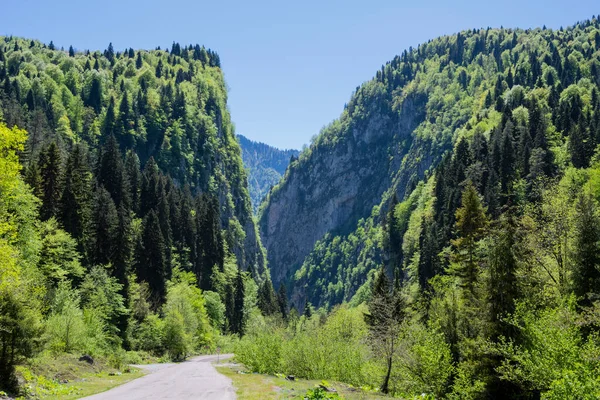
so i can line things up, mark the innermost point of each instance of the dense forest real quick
(265, 165)
(441, 239)
(479, 263)
(125, 220)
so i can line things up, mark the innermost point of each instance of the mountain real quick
(126, 222)
(164, 105)
(515, 96)
(265, 165)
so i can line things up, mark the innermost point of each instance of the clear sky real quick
(290, 64)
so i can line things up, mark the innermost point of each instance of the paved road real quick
(193, 379)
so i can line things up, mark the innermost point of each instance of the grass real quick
(251, 386)
(65, 377)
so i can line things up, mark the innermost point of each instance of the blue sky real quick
(290, 65)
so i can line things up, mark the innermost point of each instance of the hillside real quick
(265, 165)
(169, 105)
(399, 126)
(125, 219)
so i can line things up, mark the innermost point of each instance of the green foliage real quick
(556, 359)
(65, 326)
(320, 393)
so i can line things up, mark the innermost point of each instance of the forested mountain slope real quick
(125, 219)
(512, 106)
(165, 105)
(265, 164)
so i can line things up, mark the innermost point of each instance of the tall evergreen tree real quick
(238, 323)
(151, 262)
(104, 231)
(471, 220)
(267, 299)
(51, 173)
(75, 206)
(111, 173)
(283, 301)
(586, 257)
(134, 179)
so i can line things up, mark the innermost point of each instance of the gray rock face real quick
(337, 182)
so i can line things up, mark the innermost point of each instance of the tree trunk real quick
(385, 386)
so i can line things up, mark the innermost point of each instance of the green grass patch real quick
(251, 386)
(65, 377)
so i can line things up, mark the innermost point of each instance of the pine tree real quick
(94, 98)
(151, 262)
(34, 179)
(267, 299)
(471, 221)
(307, 310)
(282, 301)
(75, 207)
(209, 242)
(238, 324)
(105, 223)
(121, 260)
(51, 173)
(150, 196)
(71, 51)
(581, 146)
(108, 124)
(586, 257)
(502, 288)
(134, 179)
(138, 61)
(111, 173)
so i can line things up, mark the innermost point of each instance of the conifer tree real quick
(471, 221)
(502, 288)
(105, 223)
(581, 145)
(150, 196)
(75, 207)
(34, 179)
(94, 98)
(122, 259)
(111, 173)
(238, 324)
(138, 60)
(586, 257)
(307, 310)
(151, 262)
(51, 174)
(283, 301)
(108, 124)
(134, 178)
(267, 299)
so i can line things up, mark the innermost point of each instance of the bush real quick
(424, 362)
(260, 351)
(148, 335)
(335, 350)
(65, 327)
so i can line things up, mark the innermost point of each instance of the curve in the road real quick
(192, 379)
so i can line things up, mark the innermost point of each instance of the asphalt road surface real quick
(192, 379)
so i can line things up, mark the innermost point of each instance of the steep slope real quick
(167, 105)
(394, 132)
(265, 165)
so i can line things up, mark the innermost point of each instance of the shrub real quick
(260, 351)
